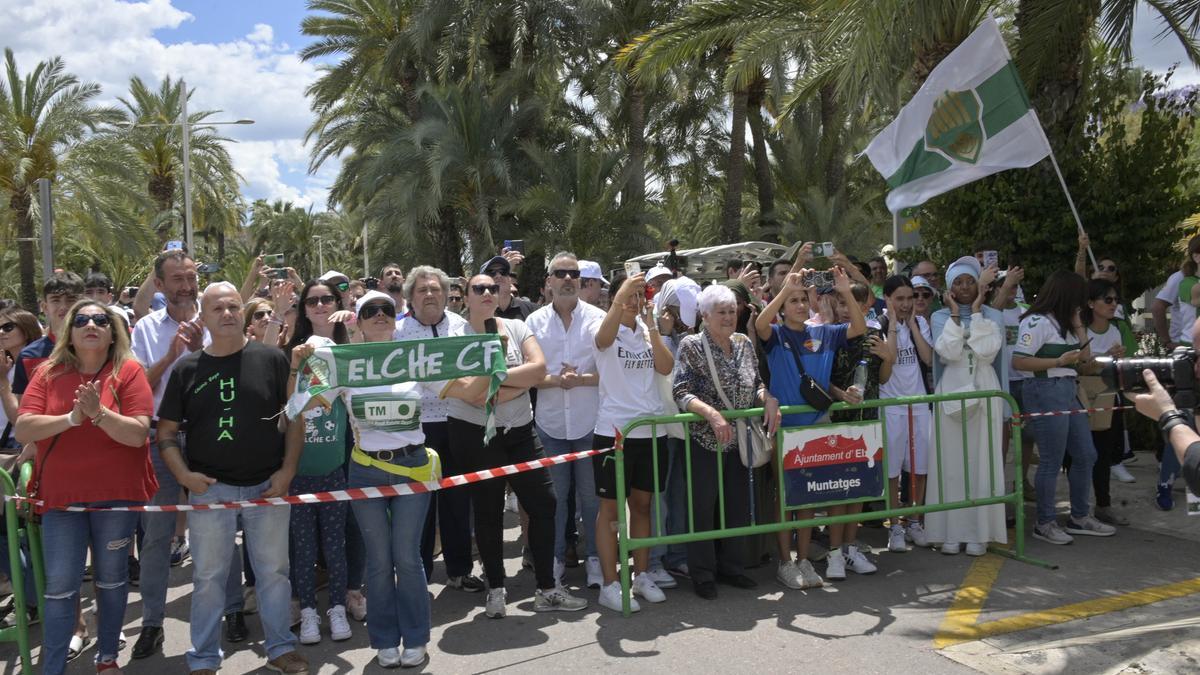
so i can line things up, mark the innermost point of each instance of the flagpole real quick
(1071, 202)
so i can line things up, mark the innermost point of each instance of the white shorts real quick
(900, 453)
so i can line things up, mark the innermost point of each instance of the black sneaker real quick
(468, 583)
(737, 580)
(235, 627)
(148, 643)
(135, 571)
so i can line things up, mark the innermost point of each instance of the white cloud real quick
(1160, 53)
(109, 41)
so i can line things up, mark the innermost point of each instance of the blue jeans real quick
(213, 551)
(65, 540)
(676, 507)
(1056, 436)
(585, 491)
(158, 530)
(398, 607)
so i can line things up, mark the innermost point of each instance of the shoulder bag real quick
(754, 444)
(812, 392)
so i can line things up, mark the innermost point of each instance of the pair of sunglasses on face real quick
(313, 300)
(480, 289)
(563, 274)
(370, 311)
(263, 313)
(81, 320)
(923, 294)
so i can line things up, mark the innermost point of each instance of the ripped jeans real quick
(66, 537)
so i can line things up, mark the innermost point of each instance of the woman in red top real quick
(88, 408)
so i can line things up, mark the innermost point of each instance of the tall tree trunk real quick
(448, 242)
(735, 172)
(1057, 79)
(20, 203)
(762, 165)
(161, 188)
(635, 192)
(221, 246)
(831, 150)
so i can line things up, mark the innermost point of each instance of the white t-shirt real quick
(151, 341)
(567, 414)
(1169, 293)
(1102, 342)
(1012, 328)
(1039, 337)
(627, 389)
(517, 412)
(906, 379)
(385, 417)
(433, 409)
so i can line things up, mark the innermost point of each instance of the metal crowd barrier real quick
(22, 532)
(626, 543)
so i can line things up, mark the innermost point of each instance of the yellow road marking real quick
(960, 623)
(968, 602)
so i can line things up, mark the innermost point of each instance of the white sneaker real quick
(662, 578)
(1088, 525)
(412, 657)
(644, 586)
(1052, 533)
(788, 574)
(857, 561)
(310, 626)
(1122, 474)
(595, 578)
(610, 597)
(560, 568)
(896, 539)
(976, 549)
(388, 658)
(557, 599)
(915, 533)
(835, 565)
(951, 548)
(356, 604)
(808, 576)
(494, 607)
(339, 628)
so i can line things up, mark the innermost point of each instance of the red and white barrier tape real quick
(1081, 411)
(349, 494)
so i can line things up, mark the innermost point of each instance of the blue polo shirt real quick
(31, 357)
(817, 346)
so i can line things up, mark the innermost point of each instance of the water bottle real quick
(860, 376)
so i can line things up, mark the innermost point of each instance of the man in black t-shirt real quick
(230, 396)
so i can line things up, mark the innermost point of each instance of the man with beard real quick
(451, 509)
(391, 280)
(591, 282)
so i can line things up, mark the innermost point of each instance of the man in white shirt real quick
(160, 339)
(425, 289)
(591, 282)
(568, 400)
(1179, 329)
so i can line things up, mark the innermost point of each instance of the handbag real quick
(754, 445)
(812, 392)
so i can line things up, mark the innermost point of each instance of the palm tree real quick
(156, 138)
(51, 128)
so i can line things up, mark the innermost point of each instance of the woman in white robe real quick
(966, 350)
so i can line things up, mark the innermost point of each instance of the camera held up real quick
(1176, 372)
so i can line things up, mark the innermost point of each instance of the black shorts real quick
(639, 465)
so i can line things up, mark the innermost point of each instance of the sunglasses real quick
(81, 320)
(1109, 300)
(342, 286)
(925, 295)
(497, 272)
(313, 301)
(262, 314)
(480, 289)
(563, 274)
(1107, 268)
(456, 298)
(370, 311)
(8, 327)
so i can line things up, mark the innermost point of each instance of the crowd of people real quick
(173, 394)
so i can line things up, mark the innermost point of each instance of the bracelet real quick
(1169, 420)
(100, 416)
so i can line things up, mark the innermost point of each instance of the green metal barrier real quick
(18, 532)
(625, 543)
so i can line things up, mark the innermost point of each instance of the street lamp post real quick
(186, 125)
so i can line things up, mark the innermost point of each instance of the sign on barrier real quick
(832, 463)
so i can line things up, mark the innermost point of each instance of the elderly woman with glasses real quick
(515, 441)
(88, 408)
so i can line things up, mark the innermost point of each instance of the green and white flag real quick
(333, 368)
(972, 118)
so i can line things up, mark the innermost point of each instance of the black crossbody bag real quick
(812, 392)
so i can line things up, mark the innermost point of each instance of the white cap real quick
(682, 293)
(370, 296)
(589, 269)
(658, 271)
(331, 275)
(921, 282)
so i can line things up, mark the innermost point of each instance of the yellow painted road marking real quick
(968, 602)
(960, 623)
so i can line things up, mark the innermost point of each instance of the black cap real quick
(497, 260)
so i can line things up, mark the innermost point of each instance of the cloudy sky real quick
(240, 56)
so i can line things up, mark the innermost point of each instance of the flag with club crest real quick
(970, 119)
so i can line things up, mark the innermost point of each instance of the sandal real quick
(76, 647)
